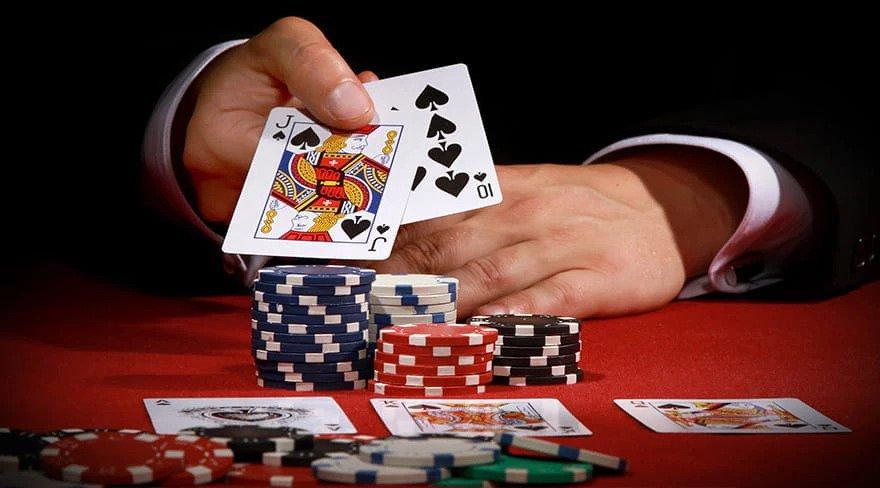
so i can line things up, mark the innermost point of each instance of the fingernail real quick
(348, 101)
(492, 309)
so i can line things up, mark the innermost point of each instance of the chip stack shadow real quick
(309, 327)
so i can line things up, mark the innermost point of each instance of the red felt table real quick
(80, 352)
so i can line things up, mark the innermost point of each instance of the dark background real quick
(554, 83)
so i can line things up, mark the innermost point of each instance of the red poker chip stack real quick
(433, 359)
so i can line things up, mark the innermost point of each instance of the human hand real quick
(604, 239)
(290, 63)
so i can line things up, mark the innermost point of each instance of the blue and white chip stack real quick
(309, 327)
(399, 299)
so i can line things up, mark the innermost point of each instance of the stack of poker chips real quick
(534, 349)
(433, 359)
(411, 299)
(309, 327)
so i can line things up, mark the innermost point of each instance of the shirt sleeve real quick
(776, 222)
(159, 157)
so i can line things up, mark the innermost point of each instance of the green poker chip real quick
(464, 483)
(512, 469)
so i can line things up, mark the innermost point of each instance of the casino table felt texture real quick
(75, 366)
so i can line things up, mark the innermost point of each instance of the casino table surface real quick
(80, 352)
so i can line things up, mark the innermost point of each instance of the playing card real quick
(455, 172)
(526, 416)
(319, 415)
(730, 416)
(316, 192)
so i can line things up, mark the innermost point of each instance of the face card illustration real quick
(455, 172)
(322, 193)
(531, 417)
(319, 415)
(731, 416)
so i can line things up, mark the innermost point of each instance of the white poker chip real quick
(413, 284)
(412, 309)
(342, 467)
(412, 300)
(430, 452)
(433, 318)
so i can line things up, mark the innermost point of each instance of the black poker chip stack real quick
(534, 349)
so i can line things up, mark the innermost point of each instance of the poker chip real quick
(421, 360)
(35, 479)
(341, 385)
(403, 369)
(510, 469)
(413, 309)
(295, 347)
(434, 350)
(263, 475)
(109, 458)
(249, 442)
(310, 290)
(519, 351)
(568, 379)
(430, 452)
(342, 467)
(413, 284)
(412, 300)
(204, 460)
(305, 457)
(436, 318)
(528, 324)
(309, 357)
(465, 483)
(309, 300)
(20, 449)
(438, 335)
(558, 370)
(536, 360)
(309, 329)
(428, 391)
(364, 374)
(279, 318)
(418, 380)
(310, 338)
(310, 310)
(337, 367)
(537, 341)
(316, 275)
(612, 463)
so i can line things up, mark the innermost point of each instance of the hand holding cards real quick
(313, 191)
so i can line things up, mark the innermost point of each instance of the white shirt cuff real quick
(777, 217)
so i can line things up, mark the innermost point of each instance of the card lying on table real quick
(318, 415)
(730, 416)
(537, 417)
(317, 192)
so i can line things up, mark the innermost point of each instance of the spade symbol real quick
(355, 227)
(672, 406)
(440, 127)
(431, 97)
(395, 109)
(383, 228)
(445, 156)
(480, 176)
(420, 175)
(163, 402)
(533, 428)
(305, 138)
(278, 135)
(452, 184)
(424, 406)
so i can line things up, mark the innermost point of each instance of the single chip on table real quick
(536, 360)
(427, 391)
(437, 452)
(204, 460)
(109, 458)
(561, 451)
(413, 284)
(438, 335)
(510, 469)
(310, 290)
(568, 379)
(418, 380)
(316, 275)
(249, 442)
(347, 468)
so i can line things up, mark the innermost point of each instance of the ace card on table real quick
(730, 416)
